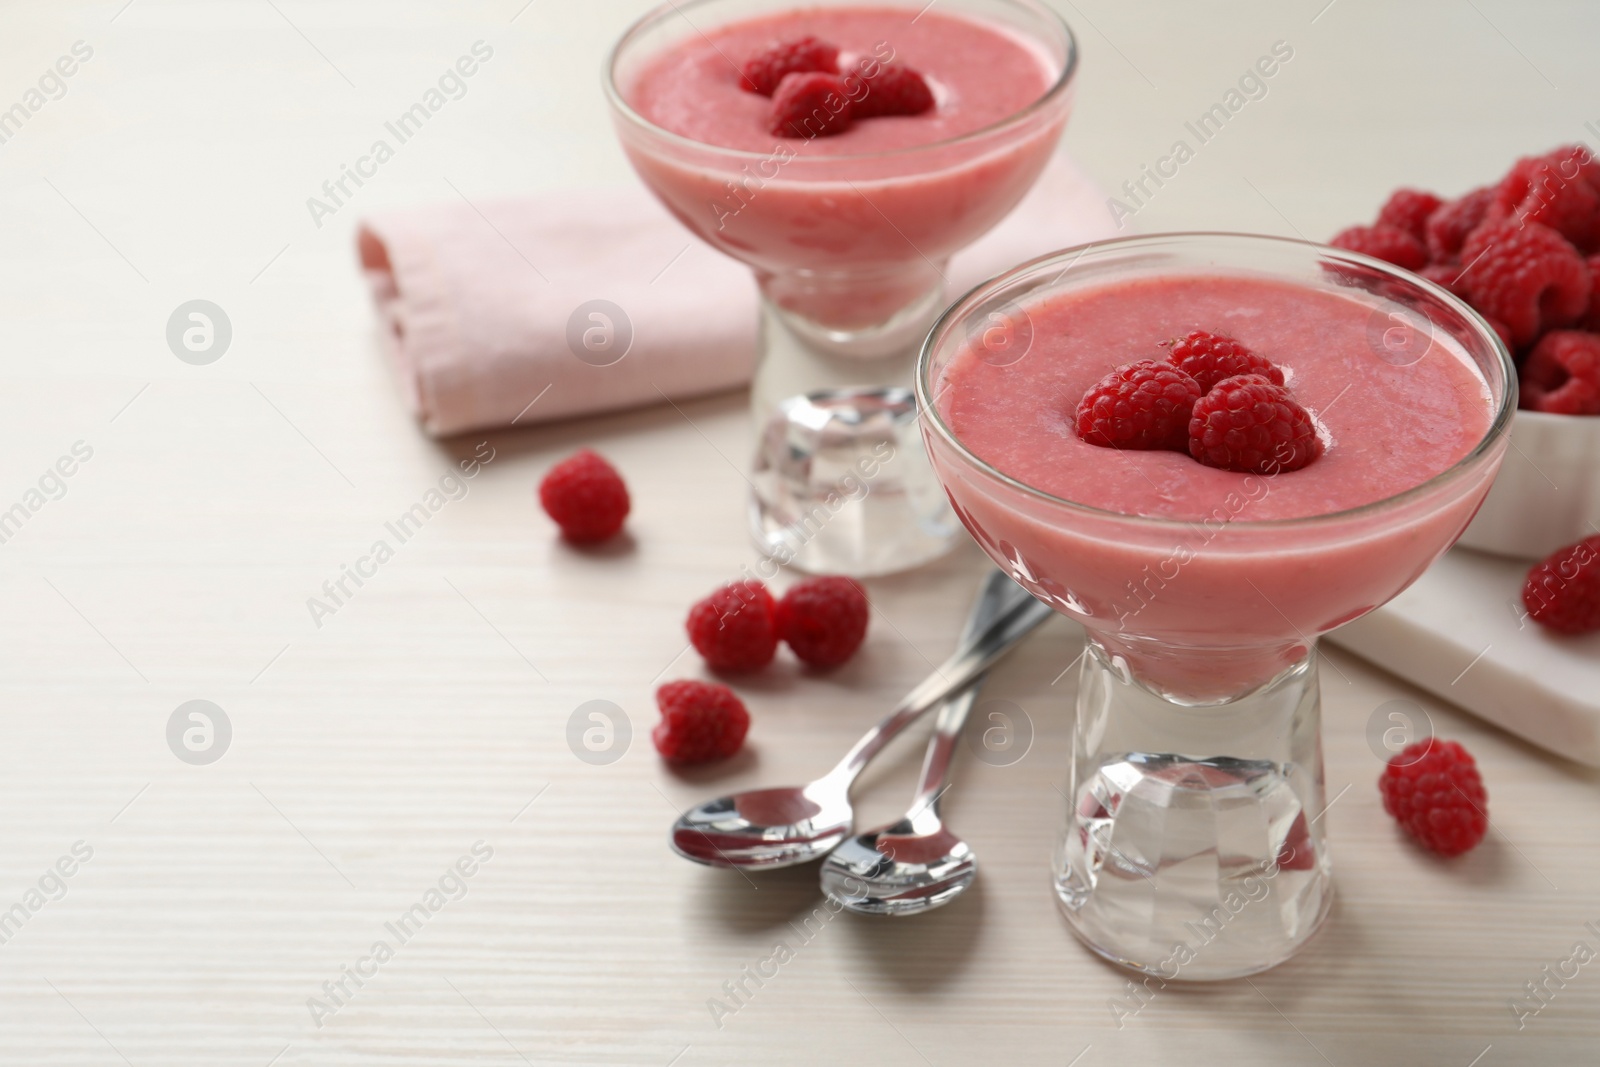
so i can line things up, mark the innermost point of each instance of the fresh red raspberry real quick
(1250, 425)
(1210, 357)
(1562, 374)
(1537, 190)
(1529, 277)
(1591, 318)
(585, 496)
(1408, 210)
(1449, 225)
(892, 91)
(1387, 243)
(1501, 330)
(763, 73)
(1575, 160)
(1433, 790)
(1140, 405)
(810, 105)
(1449, 276)
(1563, 590)
(824, 620)
(1446, 275)
(734, 629)
(700, 722)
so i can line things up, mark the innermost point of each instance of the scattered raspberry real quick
(893, 91)
(1250, 425)
(700, 722)
(1528, 277)
(763, 73)
(1563, 591)
(1449, 225)
(1139, 405)
(810, 105)
(734, 629)
(1408, 210)
(1536, 190)
(585, 496)
(1562, 374)
(824, 620)
(1210, 357)
(1387, 243)
(1433, 791)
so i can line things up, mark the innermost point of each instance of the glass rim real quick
(620, 106)
(1499, 426)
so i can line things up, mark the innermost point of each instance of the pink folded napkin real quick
(564, 304)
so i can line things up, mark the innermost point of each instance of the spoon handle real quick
(1003, 614)
(942, 747)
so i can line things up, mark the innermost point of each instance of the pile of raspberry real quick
(1212, 398)
(736, 630)
(1526, 254)
(811, 99)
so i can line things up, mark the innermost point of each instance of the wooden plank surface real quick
(428, 714)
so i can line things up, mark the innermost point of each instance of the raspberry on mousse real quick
(1216, 400)
(1251, 425)
(807, 55)
(1141, 405)
(810, 99)
(1210, 357)
(892, 90)
(811, 105)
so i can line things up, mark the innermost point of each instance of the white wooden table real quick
(429, 713)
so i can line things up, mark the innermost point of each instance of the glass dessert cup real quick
(849, 251)
(1194, 846)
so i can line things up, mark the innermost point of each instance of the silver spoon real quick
(782, 827)
(914, 864)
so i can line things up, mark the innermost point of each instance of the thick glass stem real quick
(1194, 847)
(840, 482)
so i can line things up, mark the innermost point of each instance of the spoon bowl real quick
(765, 827)
(899, 869)
(915, 864)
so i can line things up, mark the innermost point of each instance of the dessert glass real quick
(1194, 846)
(849, 252)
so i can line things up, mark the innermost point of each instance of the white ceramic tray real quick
(1460, 634)
(1547, 493)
